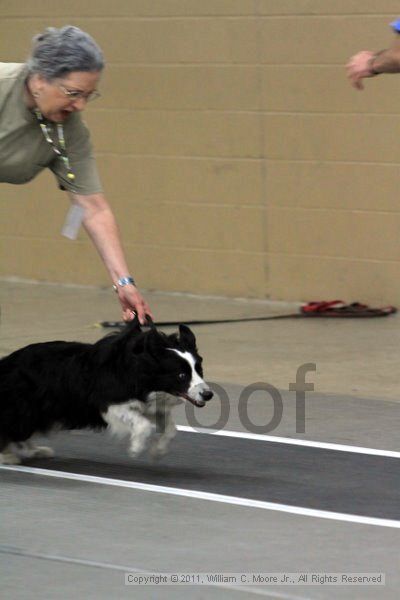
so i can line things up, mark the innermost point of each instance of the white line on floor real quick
(291, 441)
(199, 495)
(128, 569)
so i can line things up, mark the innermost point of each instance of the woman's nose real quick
(79, 103)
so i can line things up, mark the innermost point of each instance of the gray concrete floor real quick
(63, 539)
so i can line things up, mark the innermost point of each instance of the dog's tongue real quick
(198, 403)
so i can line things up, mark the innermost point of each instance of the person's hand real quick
(358, 67)
(132, 303)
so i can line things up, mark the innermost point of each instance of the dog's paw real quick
(42, 452)
(157, 453)
(29, 450)
(135, 451)
(8, 458)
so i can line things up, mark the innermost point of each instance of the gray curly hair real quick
(57, 52)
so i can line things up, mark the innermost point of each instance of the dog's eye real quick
(182, 376)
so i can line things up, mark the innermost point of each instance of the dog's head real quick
(175, 366)
(151, 361)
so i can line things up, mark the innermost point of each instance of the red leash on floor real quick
(321, 309)
(337, 308)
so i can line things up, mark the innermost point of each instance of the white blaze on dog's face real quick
(172, 364)
(196, 389)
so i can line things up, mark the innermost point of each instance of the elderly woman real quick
(41, 127)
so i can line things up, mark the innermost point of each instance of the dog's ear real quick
(154, 343)
(132, 327)
(187, 338)
(130, 337)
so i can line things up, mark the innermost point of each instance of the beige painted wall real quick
(238, 159)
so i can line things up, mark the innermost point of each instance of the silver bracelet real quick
(123, 281)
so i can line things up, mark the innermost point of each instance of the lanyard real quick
(61, 151)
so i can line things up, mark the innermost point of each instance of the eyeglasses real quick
(78, 94)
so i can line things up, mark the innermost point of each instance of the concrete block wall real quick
(238, 159)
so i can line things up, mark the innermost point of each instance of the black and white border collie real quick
(127, 382)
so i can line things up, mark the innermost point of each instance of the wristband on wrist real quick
(123, 281)
(371, 65)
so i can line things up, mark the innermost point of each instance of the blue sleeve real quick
(396, 26)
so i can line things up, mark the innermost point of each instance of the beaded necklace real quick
(62, 150)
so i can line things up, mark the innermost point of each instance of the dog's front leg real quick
(140, 433)
(160, 445)
(128, 418)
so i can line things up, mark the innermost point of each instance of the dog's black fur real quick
(71, 385)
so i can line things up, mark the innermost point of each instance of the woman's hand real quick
(358, 67)
(132, 302)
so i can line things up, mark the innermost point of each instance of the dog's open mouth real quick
(198, 403)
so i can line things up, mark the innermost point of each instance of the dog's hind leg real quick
(7, 456)
(29, 450)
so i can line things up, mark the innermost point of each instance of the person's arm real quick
(369, 64)
(99, 222)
